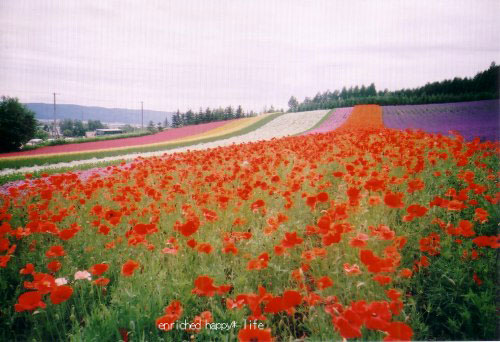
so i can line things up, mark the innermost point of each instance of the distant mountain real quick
(45, 111)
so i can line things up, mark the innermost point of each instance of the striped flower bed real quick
(334, 121)
(364, 117)
(169, 137)
(470, 119)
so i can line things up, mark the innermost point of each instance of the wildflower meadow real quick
(353, 232)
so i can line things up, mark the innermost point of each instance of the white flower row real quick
(284, 125)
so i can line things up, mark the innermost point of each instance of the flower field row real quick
(471, 119)
(334, 121)
(265, 127)
(367, 233)
(165, 138)
(365, 116)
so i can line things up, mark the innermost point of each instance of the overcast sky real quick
(186, 54)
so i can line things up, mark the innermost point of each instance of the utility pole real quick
(142, 115)
(55, 132)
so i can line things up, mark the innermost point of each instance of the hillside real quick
(44, 111)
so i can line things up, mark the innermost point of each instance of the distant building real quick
(33, 142)
(108, 131)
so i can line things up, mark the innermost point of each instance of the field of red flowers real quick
(363, 233)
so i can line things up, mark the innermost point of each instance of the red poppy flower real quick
(61, 294)
(291, 239)
(414, 185)
(250, 334)
(456, 205)
(487, 241)
(54, 266)
(191, 243)
(166, 322)
(205, 248)
(144, 229)
(230, 248)
(129, 268)
(322, 197)
(382, 280)
(103, 229)
(476, 279)
(29, 301)
(113, 216)
(331, 238)
(359, 241)
(393, 294)
(257, 205)
(416, 210)
(190, 227)
(405, 273)
(274, 305)
(324, 282)
(481, 215)
(55, 251)
(279, 250)
(209, 215)
(394, 200)
(99, 269)
(174, 308)
(291, 298)
(348, 324)
(101, 281)
(311, 202)
(42, 282)
(28, 269)
(259, 263)
(67, 234)
(234, 304)
(204, 286)
(351, 270)
(398, 331)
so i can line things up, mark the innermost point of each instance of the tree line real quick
(77, 128)
(208, 115)
(483, 86)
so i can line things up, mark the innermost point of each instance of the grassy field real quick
(363, 234)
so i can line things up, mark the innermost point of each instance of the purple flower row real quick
(471, 119)
(334, 121)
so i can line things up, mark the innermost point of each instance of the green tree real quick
(176, 119)
(189, 118)
(41, 132)
(78, 129)
(66, 126)
(151, 127)
(239, 112)
(293, 104)
(17, 124)
(228, 113)
(92, 125)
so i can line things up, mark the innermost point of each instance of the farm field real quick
(332, 122)
(362, 232)
(260, 128)
(471, 119)
(173, 135)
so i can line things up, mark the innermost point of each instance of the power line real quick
(55, 132)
